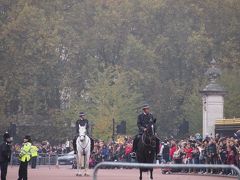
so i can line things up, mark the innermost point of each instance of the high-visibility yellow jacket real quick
(25, 152)
(34, 151)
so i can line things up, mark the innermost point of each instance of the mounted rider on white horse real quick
(83, 151)
(81, 122)
(82, 144)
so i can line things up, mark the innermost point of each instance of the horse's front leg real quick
(82, 162)
(151, 173)
(79, 165)
(140, 174)
(87, 156)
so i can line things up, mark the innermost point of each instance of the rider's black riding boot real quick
(75, 145)
(135, 143)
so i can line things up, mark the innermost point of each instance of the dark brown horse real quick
(146, 150)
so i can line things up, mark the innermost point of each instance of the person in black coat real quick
(81, 122)
(144, 119)
(5, 155)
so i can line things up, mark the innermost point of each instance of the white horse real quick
(83, 151)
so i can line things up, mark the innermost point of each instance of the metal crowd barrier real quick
(42, 159)
(172, 166)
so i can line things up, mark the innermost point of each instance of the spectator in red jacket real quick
(172, 149)
(188, 151)
(128, 149)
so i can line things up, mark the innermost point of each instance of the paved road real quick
(65, 173)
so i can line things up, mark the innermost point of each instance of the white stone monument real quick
(213, 101)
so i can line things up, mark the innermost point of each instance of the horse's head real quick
(150, 130)
(82, 132)
(149, 138)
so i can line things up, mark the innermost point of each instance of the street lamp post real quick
(113, 129)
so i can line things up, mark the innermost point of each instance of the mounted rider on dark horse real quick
(144, 120)
(146, 144)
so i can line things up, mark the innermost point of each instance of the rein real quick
(150, 144)
(85, 146)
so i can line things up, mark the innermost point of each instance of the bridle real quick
(84, 136)
(83, 148)
(151, 137)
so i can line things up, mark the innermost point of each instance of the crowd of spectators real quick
(217, 150)
(192, 150)
(45, 148)
(112, 151)
(47, 153)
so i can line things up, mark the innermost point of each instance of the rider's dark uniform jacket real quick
(144, 120)
(81, 123)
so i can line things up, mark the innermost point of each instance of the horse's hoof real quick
(78, 174)
(86, 174)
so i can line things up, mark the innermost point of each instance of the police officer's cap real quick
(81, 114)
(145, 106)
(28, 138)
(6, 136)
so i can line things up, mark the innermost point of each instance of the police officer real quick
(24, 157)
(144, 119)
(81, 122)
(5, 155)
(34, 154)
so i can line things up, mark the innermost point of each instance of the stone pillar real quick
(213, 101)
